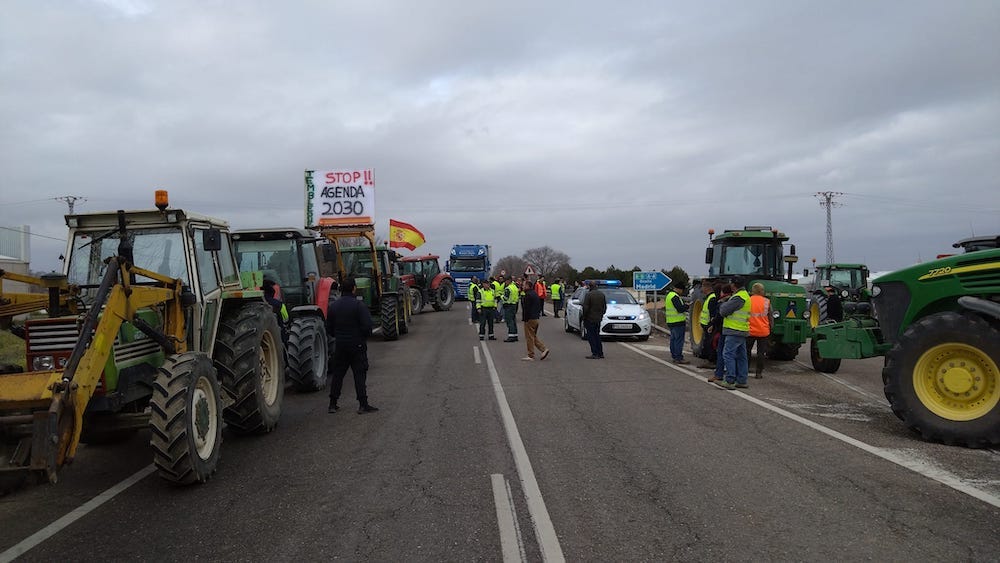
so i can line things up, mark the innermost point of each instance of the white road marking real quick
(511, 543)
(899, 457)
(475, 353)
(74, 515)
(548, 542)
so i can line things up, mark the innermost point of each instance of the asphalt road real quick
(625, 459)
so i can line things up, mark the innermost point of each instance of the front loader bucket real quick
(35, 427)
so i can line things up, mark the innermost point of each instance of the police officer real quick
(473, 296)
(487, 305)
(511, 297)
(350, 323)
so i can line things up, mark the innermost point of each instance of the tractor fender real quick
(306, 310)
(439, 278)
(981, 306)
(323, 288)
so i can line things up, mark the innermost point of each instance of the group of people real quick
(733, 321)
(496, 299)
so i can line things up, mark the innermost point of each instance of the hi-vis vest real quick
(740, 318)
(706, 315)
(673, 315)
(556, 292)
(760, 310)
(511, 294)
(487, 299)
(474, 292)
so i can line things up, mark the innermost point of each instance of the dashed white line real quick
(899, 458)
(475, 354)
(545, 533)
(74, 515)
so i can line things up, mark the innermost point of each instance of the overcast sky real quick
(616, 132)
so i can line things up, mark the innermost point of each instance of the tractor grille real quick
(891, 305)
(52, 335)
(133, 350)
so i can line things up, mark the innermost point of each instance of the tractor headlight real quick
(845, 294)
(805, 314)
(43, 363)
(876, 290)
(775, 314)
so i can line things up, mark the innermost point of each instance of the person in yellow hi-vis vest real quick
(511, 297)
(735, 327)
(557, 296)
(487, 310)
(674, 309)
(473, 296)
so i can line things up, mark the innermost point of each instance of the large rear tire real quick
(417, 300)
(444, 296)
(942, 380)
(826, 308)
(186, 419)
(782, 352)
(307, 354)
(390, 317)
(694, 329)
(249, 358)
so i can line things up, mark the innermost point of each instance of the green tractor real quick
(165, 337)
(839, 292)
(756, 253)
(289, 258)
(938, 326)
(353, 253)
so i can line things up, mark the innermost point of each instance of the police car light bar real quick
(606, 282)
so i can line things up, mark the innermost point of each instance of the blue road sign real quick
(649, 281)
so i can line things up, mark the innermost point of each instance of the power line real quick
(829, 204)
(29, 233)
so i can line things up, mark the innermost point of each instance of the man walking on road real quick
(532, 310)
(735, 327)
(350, 323)
(675, 308)
(595, 303)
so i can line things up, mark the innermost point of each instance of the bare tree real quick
(546, 260)
(513, 265)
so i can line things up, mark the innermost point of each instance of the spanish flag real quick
(404, 235)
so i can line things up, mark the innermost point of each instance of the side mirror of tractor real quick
(211, 239)
(329, 253)
(709, 254)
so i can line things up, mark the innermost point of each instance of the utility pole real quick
(826, 200)
(70, 200)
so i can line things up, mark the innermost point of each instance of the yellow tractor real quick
(166, 338)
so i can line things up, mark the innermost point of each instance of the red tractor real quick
(427, 283)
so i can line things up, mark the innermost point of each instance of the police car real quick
(624, 317)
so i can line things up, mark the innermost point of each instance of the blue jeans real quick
(677, 341)
(720, 366)
(594, 337)
(734, 354)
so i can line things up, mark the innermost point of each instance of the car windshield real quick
(850, 279)
(467, 265)
(618, 296)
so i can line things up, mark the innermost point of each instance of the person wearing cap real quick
(736, 327)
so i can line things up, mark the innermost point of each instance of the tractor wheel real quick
(819, 363)
(417, 301)
(390, 317)
(444, 296)
(942, 380)
(825, 308)
(782, 352)
(186, 419)
(249, 358)
(307, 354)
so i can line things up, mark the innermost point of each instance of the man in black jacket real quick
(595, 304)
(350, 323)
(529, 314)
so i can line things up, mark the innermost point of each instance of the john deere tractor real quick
(353, 253)
(164, 337)
(757, 254)
(938, 325)
(839, 292)
(289, 259)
